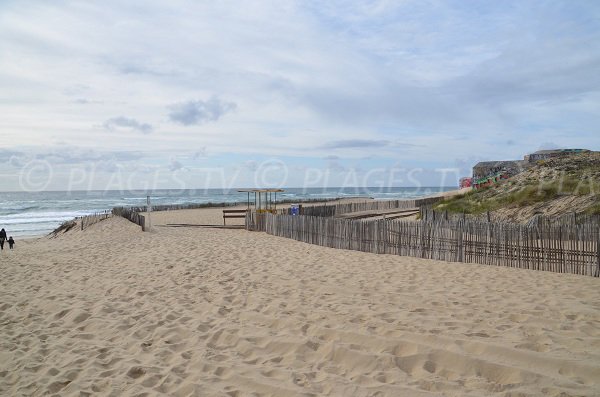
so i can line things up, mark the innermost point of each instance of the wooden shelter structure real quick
(265, 200)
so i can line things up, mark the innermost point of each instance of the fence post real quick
(385, 235)
(598, 254)
(376, 237)
(460, 247)
(148, 210)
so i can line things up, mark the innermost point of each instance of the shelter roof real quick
(261, 190)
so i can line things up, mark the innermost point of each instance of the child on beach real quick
(11, 242)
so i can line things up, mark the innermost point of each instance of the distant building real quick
(486, 173)
(547, 154)
(509, 168)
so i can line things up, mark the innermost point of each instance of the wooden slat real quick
(568, 249)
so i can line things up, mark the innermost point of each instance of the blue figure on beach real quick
(11, 242)
(2, 238)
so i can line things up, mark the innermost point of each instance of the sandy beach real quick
(191, 311)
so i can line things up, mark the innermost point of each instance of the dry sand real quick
(214, 312)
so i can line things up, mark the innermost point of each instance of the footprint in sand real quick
(55, 387)
(136, 372)
(61, 314)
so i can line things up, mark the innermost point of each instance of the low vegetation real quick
(593, 209)
(63, 228)
(576, 178)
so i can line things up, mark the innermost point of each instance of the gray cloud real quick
(106, 166)
(336, 166)
(540, 77)
(200, 154)
(127, 123)
(354, 143)
(74, 155)
(200, 112)
(76, 90)
(175, 165)
(85, 101)
(7, 155)
(250, 165)
(71, 157)
(14, 158)
(136, 69)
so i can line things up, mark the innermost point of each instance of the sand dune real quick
(207, 312)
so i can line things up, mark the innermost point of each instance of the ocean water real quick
(38, 213)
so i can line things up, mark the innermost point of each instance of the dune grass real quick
(63, 228)
(496, 197)
(594, 209)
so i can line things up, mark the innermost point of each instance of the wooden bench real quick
(234, 214)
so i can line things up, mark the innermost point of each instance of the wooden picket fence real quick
(344, 208)
(89, 220)
(572, 218)
(564, 249)
(134, 214)
(542, 221)
(130, 214)
(175, 207)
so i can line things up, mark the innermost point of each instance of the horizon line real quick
(225, 189)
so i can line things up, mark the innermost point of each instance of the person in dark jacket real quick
(11, 242)
(2, 238)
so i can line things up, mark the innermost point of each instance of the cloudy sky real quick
(143, 94)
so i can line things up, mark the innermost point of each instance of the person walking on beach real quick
(11, 242)
(2, 238)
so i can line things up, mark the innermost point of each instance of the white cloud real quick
(425, 81)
